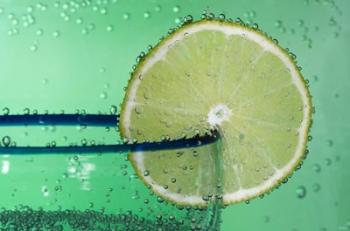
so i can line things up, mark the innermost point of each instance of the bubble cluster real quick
(26, 218)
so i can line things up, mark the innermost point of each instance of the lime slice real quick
(214, 75)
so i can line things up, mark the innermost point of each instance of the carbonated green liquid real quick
(75, 57)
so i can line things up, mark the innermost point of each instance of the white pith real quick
(216, 120)
(268, 46)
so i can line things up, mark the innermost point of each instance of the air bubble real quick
(316, 187)
(176, 9)
(26, 111)
(6, 141)
(72, 10)
(278, 24)
(10, 16)
(106, 85)
(147, 14)
(135, 195)
(103, 95)
(126, 16)
(138, 110)
(157, 8)
(6, 111)
(267, 219)
(239, 21)
(330, 143)
(222, 17)
(34, 48)
(102, 70)
(94, 8)
(113, 110)
(252, 14)
(301, 192)
(103, 11)
(301, 23)
(309, 45)
(43, 8)
(83, 142)
(45, 81)
(84, 31)
(14, 22)
(79, 21)
(160, 200)
(188, 18)
(204, 15)
(64, 6)
(332, 22)
(10, 32)
(91, 26)
(133, 176)
(110, 28)
(170, 31)
(45, 191)
(255, 26)
(40, 32)
(56, 34)
(211, 16)
(58, 188)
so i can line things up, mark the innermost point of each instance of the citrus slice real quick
(224, 76)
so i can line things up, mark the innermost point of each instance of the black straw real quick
(90, 120)
(60, 119)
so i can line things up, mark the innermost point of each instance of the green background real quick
(60, 55)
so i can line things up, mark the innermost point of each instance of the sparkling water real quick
(74, 57)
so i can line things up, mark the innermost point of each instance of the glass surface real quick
(75, 57)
